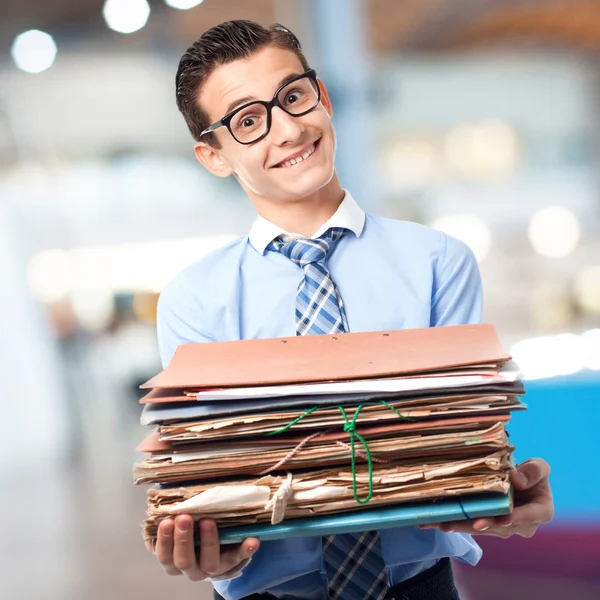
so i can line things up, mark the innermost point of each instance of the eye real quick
(247, 121)
(293, 97)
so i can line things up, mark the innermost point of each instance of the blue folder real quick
(401, 515)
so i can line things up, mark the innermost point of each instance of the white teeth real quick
(293, 161)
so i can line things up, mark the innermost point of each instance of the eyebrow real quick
(246, 99)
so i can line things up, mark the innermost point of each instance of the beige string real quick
(360, 452)
(291, 453)
(279, 500)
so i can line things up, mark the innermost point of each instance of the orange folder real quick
(321, 358)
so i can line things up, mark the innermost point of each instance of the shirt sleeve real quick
(179, 319)
(457, 294)
(457, 300)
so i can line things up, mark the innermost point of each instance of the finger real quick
(482, 524)
(468, 525)
(249, 547)
(532, 513)
(184, 556)
(505, 520)
(209, 547)
(232, 556)
(530, 473)
(164, 547)
(458, 527)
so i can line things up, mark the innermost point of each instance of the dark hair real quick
(222, 44)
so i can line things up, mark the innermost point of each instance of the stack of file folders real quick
(324, 434)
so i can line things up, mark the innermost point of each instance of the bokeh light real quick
(587, 289)
(411, 162)
(551, 306)
(554, 231)
(94, 309)
(485, 149)
(469, 228)
(549, 356)
(590, 341)
(119, 268)
(50, 275)
(183, 4)
(34, 51)
(126, 16)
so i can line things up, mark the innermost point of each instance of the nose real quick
(285, 129)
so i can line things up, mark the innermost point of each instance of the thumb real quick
(530, 473)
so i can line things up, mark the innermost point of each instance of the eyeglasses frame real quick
(226, 120)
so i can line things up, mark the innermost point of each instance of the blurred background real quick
(478, 117)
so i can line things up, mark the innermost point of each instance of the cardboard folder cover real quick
(348, 356)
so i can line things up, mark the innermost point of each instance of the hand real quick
(174, 549)
(533, 506)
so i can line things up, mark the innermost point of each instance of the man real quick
(259, 113)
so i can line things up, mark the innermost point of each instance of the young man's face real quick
(258, 166)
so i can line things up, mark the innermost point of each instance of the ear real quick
(210, 158)
(325, 100)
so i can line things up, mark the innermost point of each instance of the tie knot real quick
(305, 251)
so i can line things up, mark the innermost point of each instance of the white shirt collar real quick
(348, 215)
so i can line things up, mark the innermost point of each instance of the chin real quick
(310, 183)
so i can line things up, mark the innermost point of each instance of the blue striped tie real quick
(353, 561)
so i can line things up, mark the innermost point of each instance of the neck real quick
(303, 215)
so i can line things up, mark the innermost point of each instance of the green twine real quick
(349, 427)
(398, 413)
(308, 412)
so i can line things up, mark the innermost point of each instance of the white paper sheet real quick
(359, 386)
(220, 497)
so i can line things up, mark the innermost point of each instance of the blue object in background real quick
(562, 426)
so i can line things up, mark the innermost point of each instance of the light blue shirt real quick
(391, 275)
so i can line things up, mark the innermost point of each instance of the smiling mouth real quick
(288, 164)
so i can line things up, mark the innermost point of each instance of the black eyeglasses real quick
(252, 122)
